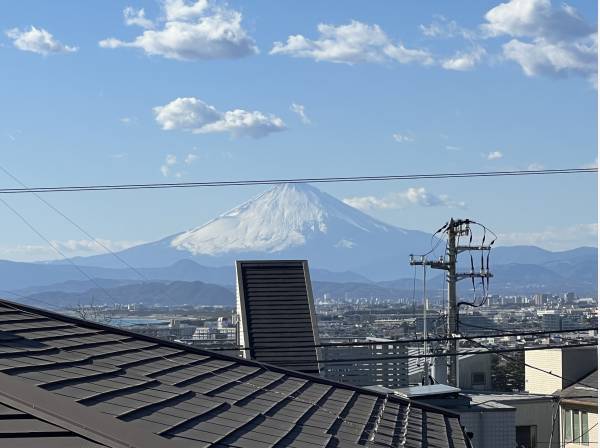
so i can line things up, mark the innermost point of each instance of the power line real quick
(56, 249)
(542, 370)
(80, 228)
(409, 341)
(233, 183)
(518, 333)
(85, 232)
(452, 354)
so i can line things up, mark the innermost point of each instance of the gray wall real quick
(471, 364)
(491, 429)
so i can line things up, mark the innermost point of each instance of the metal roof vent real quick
(277, 315)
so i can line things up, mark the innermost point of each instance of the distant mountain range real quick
(149, 293)
(348, 251)
(509, 279)
(290, 221)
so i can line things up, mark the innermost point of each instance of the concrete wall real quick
(468, 365)
(571, 364)
(540, 414)
(537, 382)
(491, 429)
(577, 363)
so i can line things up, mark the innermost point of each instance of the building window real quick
(585, 435)
(478, 379)
(575, 426)
(567, 425)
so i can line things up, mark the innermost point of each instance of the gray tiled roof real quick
(121, 389)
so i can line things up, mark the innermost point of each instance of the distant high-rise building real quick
(570, 321)
(551, 321)
(476, 324)
(540, 299)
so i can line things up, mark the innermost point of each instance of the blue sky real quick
(103, 92)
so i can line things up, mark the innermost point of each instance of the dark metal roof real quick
(277, 314)
(118, 389)
(583, 391)
(22, 429)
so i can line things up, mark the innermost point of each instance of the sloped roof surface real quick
(584, 390)
(149, 392)
(21, 429)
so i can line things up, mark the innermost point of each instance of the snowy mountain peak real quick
(286, 216)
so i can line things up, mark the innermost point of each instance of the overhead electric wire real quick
(443, 354)
(410, 341)
(518, 333)
(542, 370)
(56, 249)
(80, 228)
(233, 183)
(85, 232)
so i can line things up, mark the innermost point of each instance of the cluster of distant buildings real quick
(355, 343)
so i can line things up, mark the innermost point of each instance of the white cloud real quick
(190, 159)
(93, 246)
(128, 120)
(542, 57)
(535, 18)
(71, 248)
(196, 30)
(186, 113)
(170, 161)
(403, 138)
(240, 122)
(194, 115)
(441, 27)
(453, 148)
(299, 110)
(37, 40)
(554, 238)
(413, 196)
(184, 10)
(546, 40)
(137, 17)
(353, 43)
(494, 155)
(463, 61)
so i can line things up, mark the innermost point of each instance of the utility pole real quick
(455, 229)
(425, 332)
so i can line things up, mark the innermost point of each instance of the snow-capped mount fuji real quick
(287, 221)
(287, 217)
